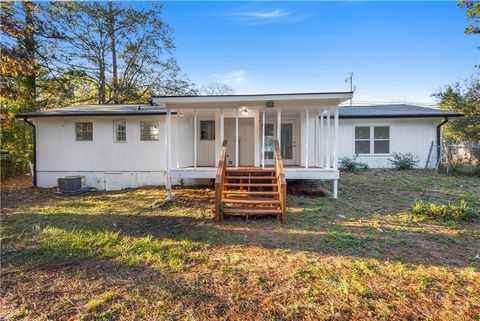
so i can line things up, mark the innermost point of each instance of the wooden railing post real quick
(220, 180)
(281, 181)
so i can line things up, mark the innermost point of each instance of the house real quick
(187, 139)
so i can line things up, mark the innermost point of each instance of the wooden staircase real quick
(250, 191)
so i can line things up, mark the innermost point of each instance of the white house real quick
(179, 138)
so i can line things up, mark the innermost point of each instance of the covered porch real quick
(305, 126)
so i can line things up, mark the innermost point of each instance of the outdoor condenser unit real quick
(70, 184)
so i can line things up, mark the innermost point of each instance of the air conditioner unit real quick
(70, 185)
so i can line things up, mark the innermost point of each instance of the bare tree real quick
(216, 89)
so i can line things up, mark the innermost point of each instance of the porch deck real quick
(291, 172)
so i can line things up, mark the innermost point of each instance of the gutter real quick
(439, 136)
(34, 139)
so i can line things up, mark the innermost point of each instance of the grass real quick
(112, 256)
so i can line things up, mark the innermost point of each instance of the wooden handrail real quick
(220, 180)
(281, 181)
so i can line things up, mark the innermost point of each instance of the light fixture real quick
(269, 104)
(244, 111)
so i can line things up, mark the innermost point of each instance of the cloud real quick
(236, 76)
(277, 13)
(253, 16)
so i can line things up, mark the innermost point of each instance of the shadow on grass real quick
(332, 238)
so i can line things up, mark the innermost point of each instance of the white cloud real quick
(236, 76)
(277, 13)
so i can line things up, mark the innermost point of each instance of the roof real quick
(393, 111)
(313, 99)
(98, 110)
(346, 112)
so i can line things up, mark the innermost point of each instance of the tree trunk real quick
(29, 47)
(101, 74)
(111, 31)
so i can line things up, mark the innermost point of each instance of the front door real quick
(245, 141)
(287, 142)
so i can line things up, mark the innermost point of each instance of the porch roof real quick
(254, 100)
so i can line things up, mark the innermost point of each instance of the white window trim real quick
(372, 141)
(115, 131)
(75, 131)
(140, 130)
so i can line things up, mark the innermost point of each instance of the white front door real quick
(287, 141)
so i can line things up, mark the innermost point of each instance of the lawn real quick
(117, 256)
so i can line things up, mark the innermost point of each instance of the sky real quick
(398, 51)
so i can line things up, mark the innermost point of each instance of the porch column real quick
(195, 143)
(263, 139)
(335, 140)
(322, 141)
(177, 139)
(328, 140)
(335, 188)
(236, 138)
(222, 134)
(279, 128)
(307, 129)
(168, 125)
(317, 140)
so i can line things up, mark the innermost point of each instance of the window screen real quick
(362, 140)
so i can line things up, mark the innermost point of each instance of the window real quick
(207, 130)
(120, 128)
(362, 140)
(84, 131)
(149, 130)
(372, 140)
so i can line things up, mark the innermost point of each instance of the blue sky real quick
(398, 51)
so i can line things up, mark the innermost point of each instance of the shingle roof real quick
(98, 110)
(393, 111)
(375, 111)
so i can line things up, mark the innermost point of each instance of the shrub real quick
(450, 212)
(351, 165)
(404, 161)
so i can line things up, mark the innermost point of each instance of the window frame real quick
(115, 140)
(213, 128)
(155, 122)
(76, 131)
(372, 140)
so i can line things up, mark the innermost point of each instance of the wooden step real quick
(246, 193)
(250, 185)
(252, 210)
(250, 177)
(252, 201)
(251, 170)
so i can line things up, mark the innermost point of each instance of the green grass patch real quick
(170, 255)
(422, 211)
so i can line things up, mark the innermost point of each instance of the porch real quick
(304, 125)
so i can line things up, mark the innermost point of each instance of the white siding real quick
(107, 164)
(406, 136)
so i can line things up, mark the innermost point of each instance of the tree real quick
(464, 99)
(124, 52)
(472, 9)
(216, 89)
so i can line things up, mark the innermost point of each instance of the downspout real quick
(34, 141)
(439, 136)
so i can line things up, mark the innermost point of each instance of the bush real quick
(348, 164)
(450, 212)
(404, 161)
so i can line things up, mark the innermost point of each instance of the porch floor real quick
(291, 172)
